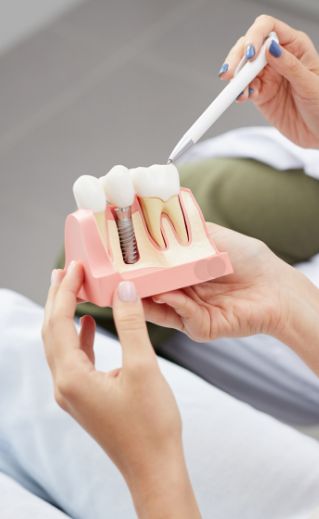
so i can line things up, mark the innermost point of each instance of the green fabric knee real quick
(278, 207)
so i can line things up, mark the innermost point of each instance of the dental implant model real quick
(119, 191)
(153, 233)
(158, 190)
(88, 194)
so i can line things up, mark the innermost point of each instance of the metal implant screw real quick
(126, 234)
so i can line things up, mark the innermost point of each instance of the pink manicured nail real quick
(54, 277)
(127, 292)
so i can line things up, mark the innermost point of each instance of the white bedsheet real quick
(242, 462)
(18, 503)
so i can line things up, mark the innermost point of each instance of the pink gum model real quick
(83, 243)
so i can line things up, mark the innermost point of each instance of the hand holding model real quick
(287, 91)
(131, 412)
(264, 295)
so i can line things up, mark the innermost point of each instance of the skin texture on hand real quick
(287, 90)
(131, 411)
(240, 304)
(263, 295)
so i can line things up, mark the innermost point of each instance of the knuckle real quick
(263, 19)
(60, 400)
(302, 35)
(142, 368)
(293, 64)
(263, 249)
(51, 324)
(66, 385)
(305, 40)
(131, 321)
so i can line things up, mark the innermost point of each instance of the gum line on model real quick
(139, 225)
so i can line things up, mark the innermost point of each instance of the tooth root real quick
(152, 209)
(172, 208)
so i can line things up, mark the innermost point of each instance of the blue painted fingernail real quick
(251, 91)
(275, 49)
(223, 69)
(250, 51)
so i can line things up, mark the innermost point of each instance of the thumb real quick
(290, 67)
(131, 327)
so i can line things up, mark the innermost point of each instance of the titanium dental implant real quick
(119, 191)
(126, 234)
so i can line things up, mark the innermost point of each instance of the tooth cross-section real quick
(158, 189)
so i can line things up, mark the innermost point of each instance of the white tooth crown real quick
(88, 194)
(160, 181)
(118, 187)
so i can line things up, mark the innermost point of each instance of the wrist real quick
(299, 320)
(161, 488)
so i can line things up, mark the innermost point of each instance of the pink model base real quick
(83, 243)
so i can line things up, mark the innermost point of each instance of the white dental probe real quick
(246, 72)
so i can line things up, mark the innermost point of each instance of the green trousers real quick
(280, 208)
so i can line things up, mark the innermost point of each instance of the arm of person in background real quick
(287, 90)
(264, 295)
(131, 412)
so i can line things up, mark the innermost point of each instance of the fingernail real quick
(127, 292)
(54, 277)
(275, 49)
(251, 91)
(250, 51)
(71, 266)
(223, 69)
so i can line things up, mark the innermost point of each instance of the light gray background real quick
(108, 82)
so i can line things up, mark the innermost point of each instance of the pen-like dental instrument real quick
(246, 72)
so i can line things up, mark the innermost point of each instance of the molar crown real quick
(160, 181)
(88, 193)
(118, 186)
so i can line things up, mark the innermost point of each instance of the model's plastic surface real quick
(158, 269)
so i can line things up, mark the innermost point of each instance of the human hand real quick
(287, 90)
(249, 301)
(263, 295)
(131, 411)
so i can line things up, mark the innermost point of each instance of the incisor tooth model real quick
(119, 191)
(158, 188)
(89, 194)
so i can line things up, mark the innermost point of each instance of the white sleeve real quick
(261, 143)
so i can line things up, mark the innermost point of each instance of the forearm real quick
(300, 325)
(162, 490)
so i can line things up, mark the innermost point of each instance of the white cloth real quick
(242, 462)
(261, 143)
(18, 503)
